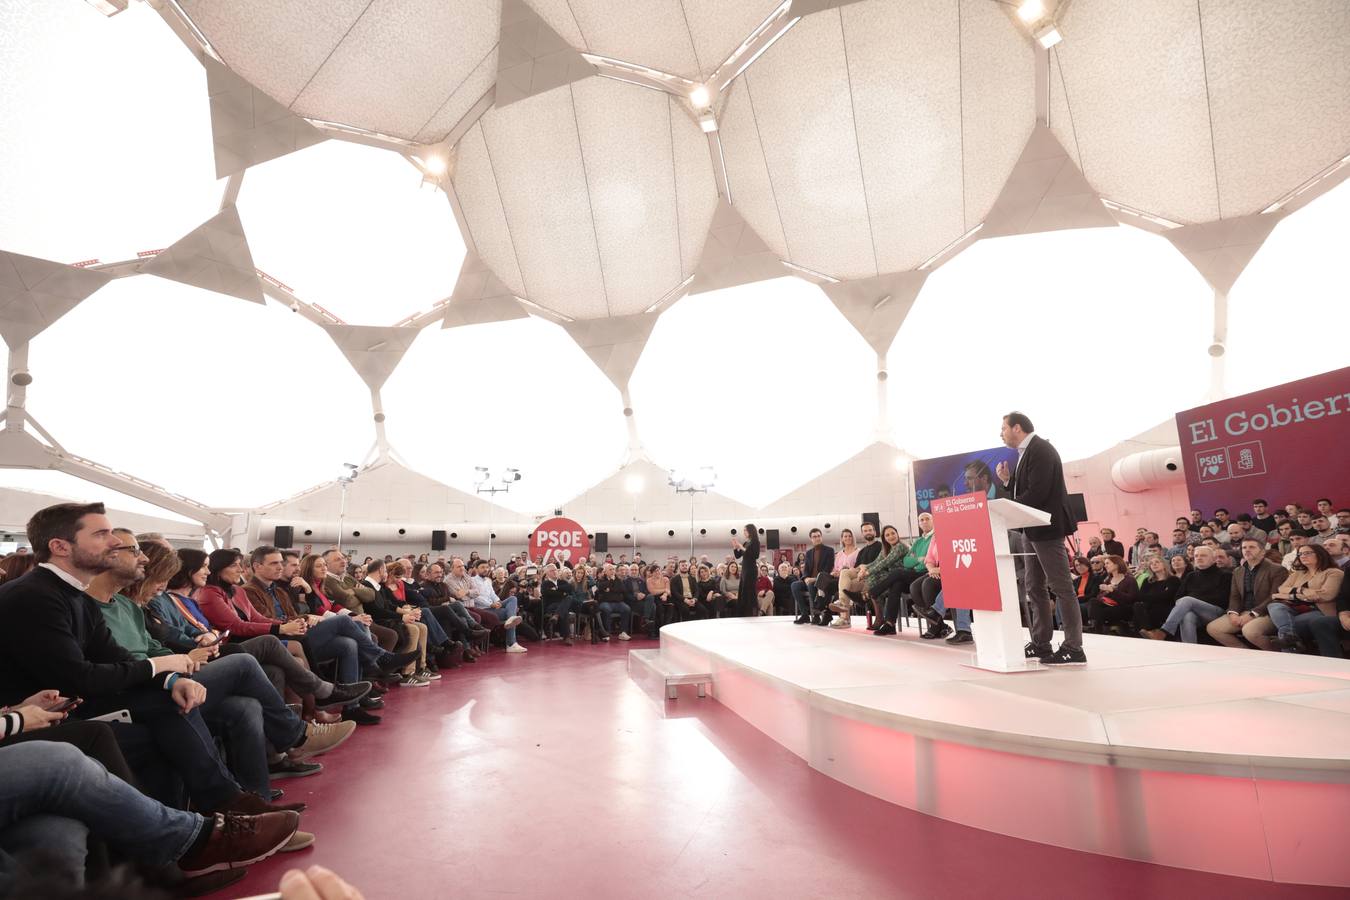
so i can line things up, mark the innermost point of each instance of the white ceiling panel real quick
(1061, 114)
(1279, 85)
(907, 103)
(475, 186)
(399, 62)
(276, 45)
(536, 156)
(803, 108)
(719, 26)
(627, 140)
(1136, 88)
(752, 191)
(463, 98)
(649, 32)
(695, 190)
(998, 103)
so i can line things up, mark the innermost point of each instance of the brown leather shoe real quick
(237, 841)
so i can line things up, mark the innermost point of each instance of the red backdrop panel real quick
(1286, 444)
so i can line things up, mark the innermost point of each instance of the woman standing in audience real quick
(749, 557)
(1115, 596)
(1157, 595)
(1112, 546)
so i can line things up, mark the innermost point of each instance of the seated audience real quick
(817, 561)
(1328, 629)
(1202, 597)
(827, 585)
(611, 594)
(1311, 589)
(1116, 596)
(1254, 581)
(1157, 595)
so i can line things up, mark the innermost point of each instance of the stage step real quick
(649, 669)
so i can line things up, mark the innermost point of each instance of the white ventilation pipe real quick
(1149, 469)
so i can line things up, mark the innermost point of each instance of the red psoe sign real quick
(965, 549)
(559, 540)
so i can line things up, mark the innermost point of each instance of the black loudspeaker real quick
(283, 537)
(875, 519)
(438, 540)
(601, 541)
(1078, 506)
(771, 539)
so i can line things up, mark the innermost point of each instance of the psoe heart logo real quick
(1212, 465)
(964, 553)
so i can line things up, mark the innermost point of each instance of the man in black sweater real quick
(52, 635)
(851, 581)
(1202, 597)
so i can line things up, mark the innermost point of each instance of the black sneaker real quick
(884, 629)
(292, 768)
(345, 693)
(1037, 651)
(961, 637)
(390, 663)
(825, 619)
(802, 620)
(360, 716)
(936, 630)
(1065, 656)
(371, 703)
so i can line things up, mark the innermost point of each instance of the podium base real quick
(1025, 665)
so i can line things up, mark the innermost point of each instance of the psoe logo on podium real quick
(1212, 465)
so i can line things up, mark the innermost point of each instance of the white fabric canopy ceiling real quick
(862, 144)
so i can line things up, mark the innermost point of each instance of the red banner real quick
(1279, 444)
(559, 540)
(965, 549)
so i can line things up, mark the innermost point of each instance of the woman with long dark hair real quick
(748, 554)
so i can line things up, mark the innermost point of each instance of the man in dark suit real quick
(1038, 482)
(819, 560)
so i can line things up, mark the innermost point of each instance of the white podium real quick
(999, 637)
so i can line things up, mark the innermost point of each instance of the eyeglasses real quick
(1306, 552)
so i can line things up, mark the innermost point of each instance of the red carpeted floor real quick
(549, 774)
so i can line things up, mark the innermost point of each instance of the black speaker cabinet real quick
(875, 519)
(771, 539)
(283, 537)
(1078, 506)
(438, 540)
(602, 542)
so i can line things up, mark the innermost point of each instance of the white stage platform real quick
(1229, 761)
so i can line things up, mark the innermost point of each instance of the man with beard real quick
(52, 636)
(241, 703)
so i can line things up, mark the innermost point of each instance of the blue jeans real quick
(1189, 614)
(1282, 615)
(621, 610)
(436, 636)
(52, 792)
(1323, 630)
(961, 617)
(244, 705)
(342, 638)
(506, 611)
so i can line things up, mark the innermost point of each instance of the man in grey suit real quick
(1038, 482)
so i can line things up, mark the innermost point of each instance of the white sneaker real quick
(841, 623)
(516, 648)
(623, 636)
(512, 622)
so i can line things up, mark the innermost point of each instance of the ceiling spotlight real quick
(700, 96)
(435, 164)
(633, 484)
(480, 475)
(708, 122)
(510, 475)
(1049, 36)
(1030, 11)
